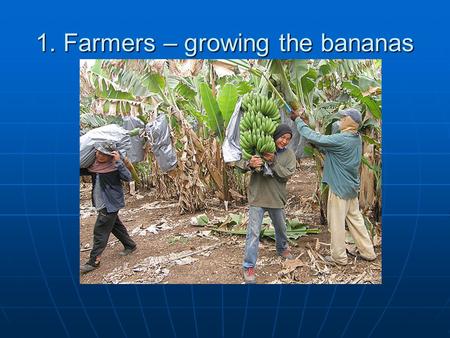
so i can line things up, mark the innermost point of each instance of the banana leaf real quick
(154, 82)
(214, 117)
(227, 99)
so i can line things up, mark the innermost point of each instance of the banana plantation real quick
(203, 192)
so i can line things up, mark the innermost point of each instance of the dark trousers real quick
(106, 224)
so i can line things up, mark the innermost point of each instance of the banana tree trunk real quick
(367, 192)
(225, 188)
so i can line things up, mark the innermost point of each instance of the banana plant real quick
(218, 111)
(322, 87)
(207, 100)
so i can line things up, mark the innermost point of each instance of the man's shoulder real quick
(288, 154)
(340, 138)
(349, 137)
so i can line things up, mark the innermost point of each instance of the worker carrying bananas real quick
(341, 173)
(268, 193)
(107, 172)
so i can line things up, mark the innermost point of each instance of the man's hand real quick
(269, 157)
(300, 113)
(116, 155)
(255, 162)
(295, 114)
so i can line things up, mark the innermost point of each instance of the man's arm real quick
(124, 173)
(325, 142)
(253, 163)
(242, 165)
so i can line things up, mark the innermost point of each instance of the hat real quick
(353, 113)
(105, 147)
(281, 130)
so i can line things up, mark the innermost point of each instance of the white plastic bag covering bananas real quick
(158, 133)
(231, 148)
(136, 153)
(110, 132)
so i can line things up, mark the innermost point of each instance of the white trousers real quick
(340, 211)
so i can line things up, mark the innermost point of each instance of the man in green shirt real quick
(268, 193)
(341, 173)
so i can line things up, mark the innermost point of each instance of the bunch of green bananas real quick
(252, 120)
(261, 104)
(261, 118)
(256, 142)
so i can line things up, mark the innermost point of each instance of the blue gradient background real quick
(40, 293)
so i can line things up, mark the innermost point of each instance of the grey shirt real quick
(270, 191)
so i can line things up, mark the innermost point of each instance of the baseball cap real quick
(353, 113)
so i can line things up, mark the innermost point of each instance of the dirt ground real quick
(172, 250)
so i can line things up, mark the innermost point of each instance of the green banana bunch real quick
(255, 142)
(252, 120)
(261, 118)
(261, 104)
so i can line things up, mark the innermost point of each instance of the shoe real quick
(358, 255)
(127, 251)
(367, 259)
(249, 276)
(89, 267)
(352, 252)
(286, 254)
(329, 259)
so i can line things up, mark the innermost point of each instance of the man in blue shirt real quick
(107, 172)
(341, 173)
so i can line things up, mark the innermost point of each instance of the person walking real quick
(107, 172)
